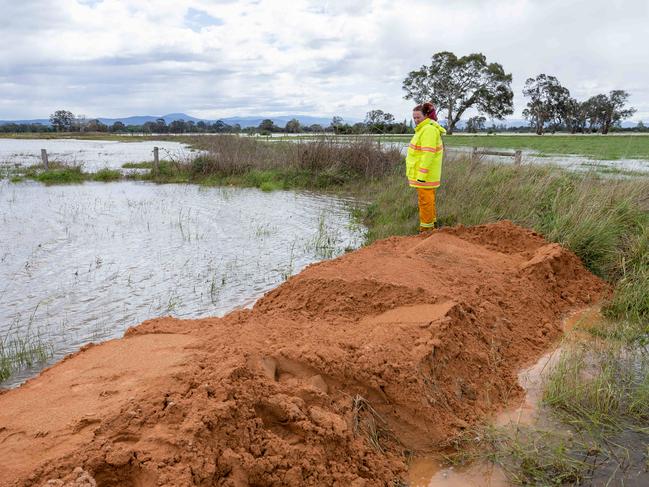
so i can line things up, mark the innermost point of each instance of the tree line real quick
(376, 122)
(456, 85)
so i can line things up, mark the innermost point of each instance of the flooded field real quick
(83, 263)
(92, 155)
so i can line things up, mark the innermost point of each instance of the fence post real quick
(156, 161)
(474, 154)
(44, 158)
(518, 156)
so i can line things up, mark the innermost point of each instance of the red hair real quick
(428, 109)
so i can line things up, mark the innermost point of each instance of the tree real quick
(605, 111)
(118, 127)
(476, 124)
(94, 125)
(457, 84)
(160, 126)
(336, 124)
(267, 126)
(549, 102)
(178, 127)
(62, 120)
(378, 121)
(614, 109)
(293, 126)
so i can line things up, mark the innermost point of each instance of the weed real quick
(22, 348)
(106, 175)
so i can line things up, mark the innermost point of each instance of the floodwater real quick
(92, 155)
(82, 263)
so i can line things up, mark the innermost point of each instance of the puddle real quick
(92, 155)
(432, 472)
(82, 263)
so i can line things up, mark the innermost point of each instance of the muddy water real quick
(82, 263)
(432, 471)
(92, 155)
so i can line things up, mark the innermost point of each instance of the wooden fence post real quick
(474, 154)
(44, 158)
(518, 157)
(156, 161)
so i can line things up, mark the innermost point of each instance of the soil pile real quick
(328, 380)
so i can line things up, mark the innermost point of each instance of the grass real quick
(609, 147)
(249, 162)
(63, 174)
(595, 409)
(601, 387)
(137, 165)
(106, 175)
(22, 348)
(527, 455)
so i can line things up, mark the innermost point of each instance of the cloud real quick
(258, 57)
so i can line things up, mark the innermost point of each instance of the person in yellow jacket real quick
(424, 162)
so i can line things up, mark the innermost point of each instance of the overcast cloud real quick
(212, 58)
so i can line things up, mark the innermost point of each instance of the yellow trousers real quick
(427, 215)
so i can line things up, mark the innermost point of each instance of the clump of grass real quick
(325, 243)
(529, 456)
(22, 350)
(137, 165)
(66, 175)
(600, 387)
(631, 299)
(106, 175)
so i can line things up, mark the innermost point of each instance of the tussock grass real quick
(22, 349)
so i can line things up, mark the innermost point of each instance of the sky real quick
(219, 58)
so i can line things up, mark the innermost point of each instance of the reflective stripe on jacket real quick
(425, 153)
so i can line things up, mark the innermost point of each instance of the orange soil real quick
(405, 342)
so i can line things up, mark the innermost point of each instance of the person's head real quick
(423, 111)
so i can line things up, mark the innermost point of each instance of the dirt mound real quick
(328, 380)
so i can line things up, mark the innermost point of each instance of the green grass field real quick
(594, 146)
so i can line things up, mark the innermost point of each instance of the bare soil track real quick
(328, 380)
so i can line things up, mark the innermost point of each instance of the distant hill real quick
(280, 121)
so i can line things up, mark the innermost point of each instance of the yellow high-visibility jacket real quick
(425, 153)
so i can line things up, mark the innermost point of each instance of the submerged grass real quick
(22, 348)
